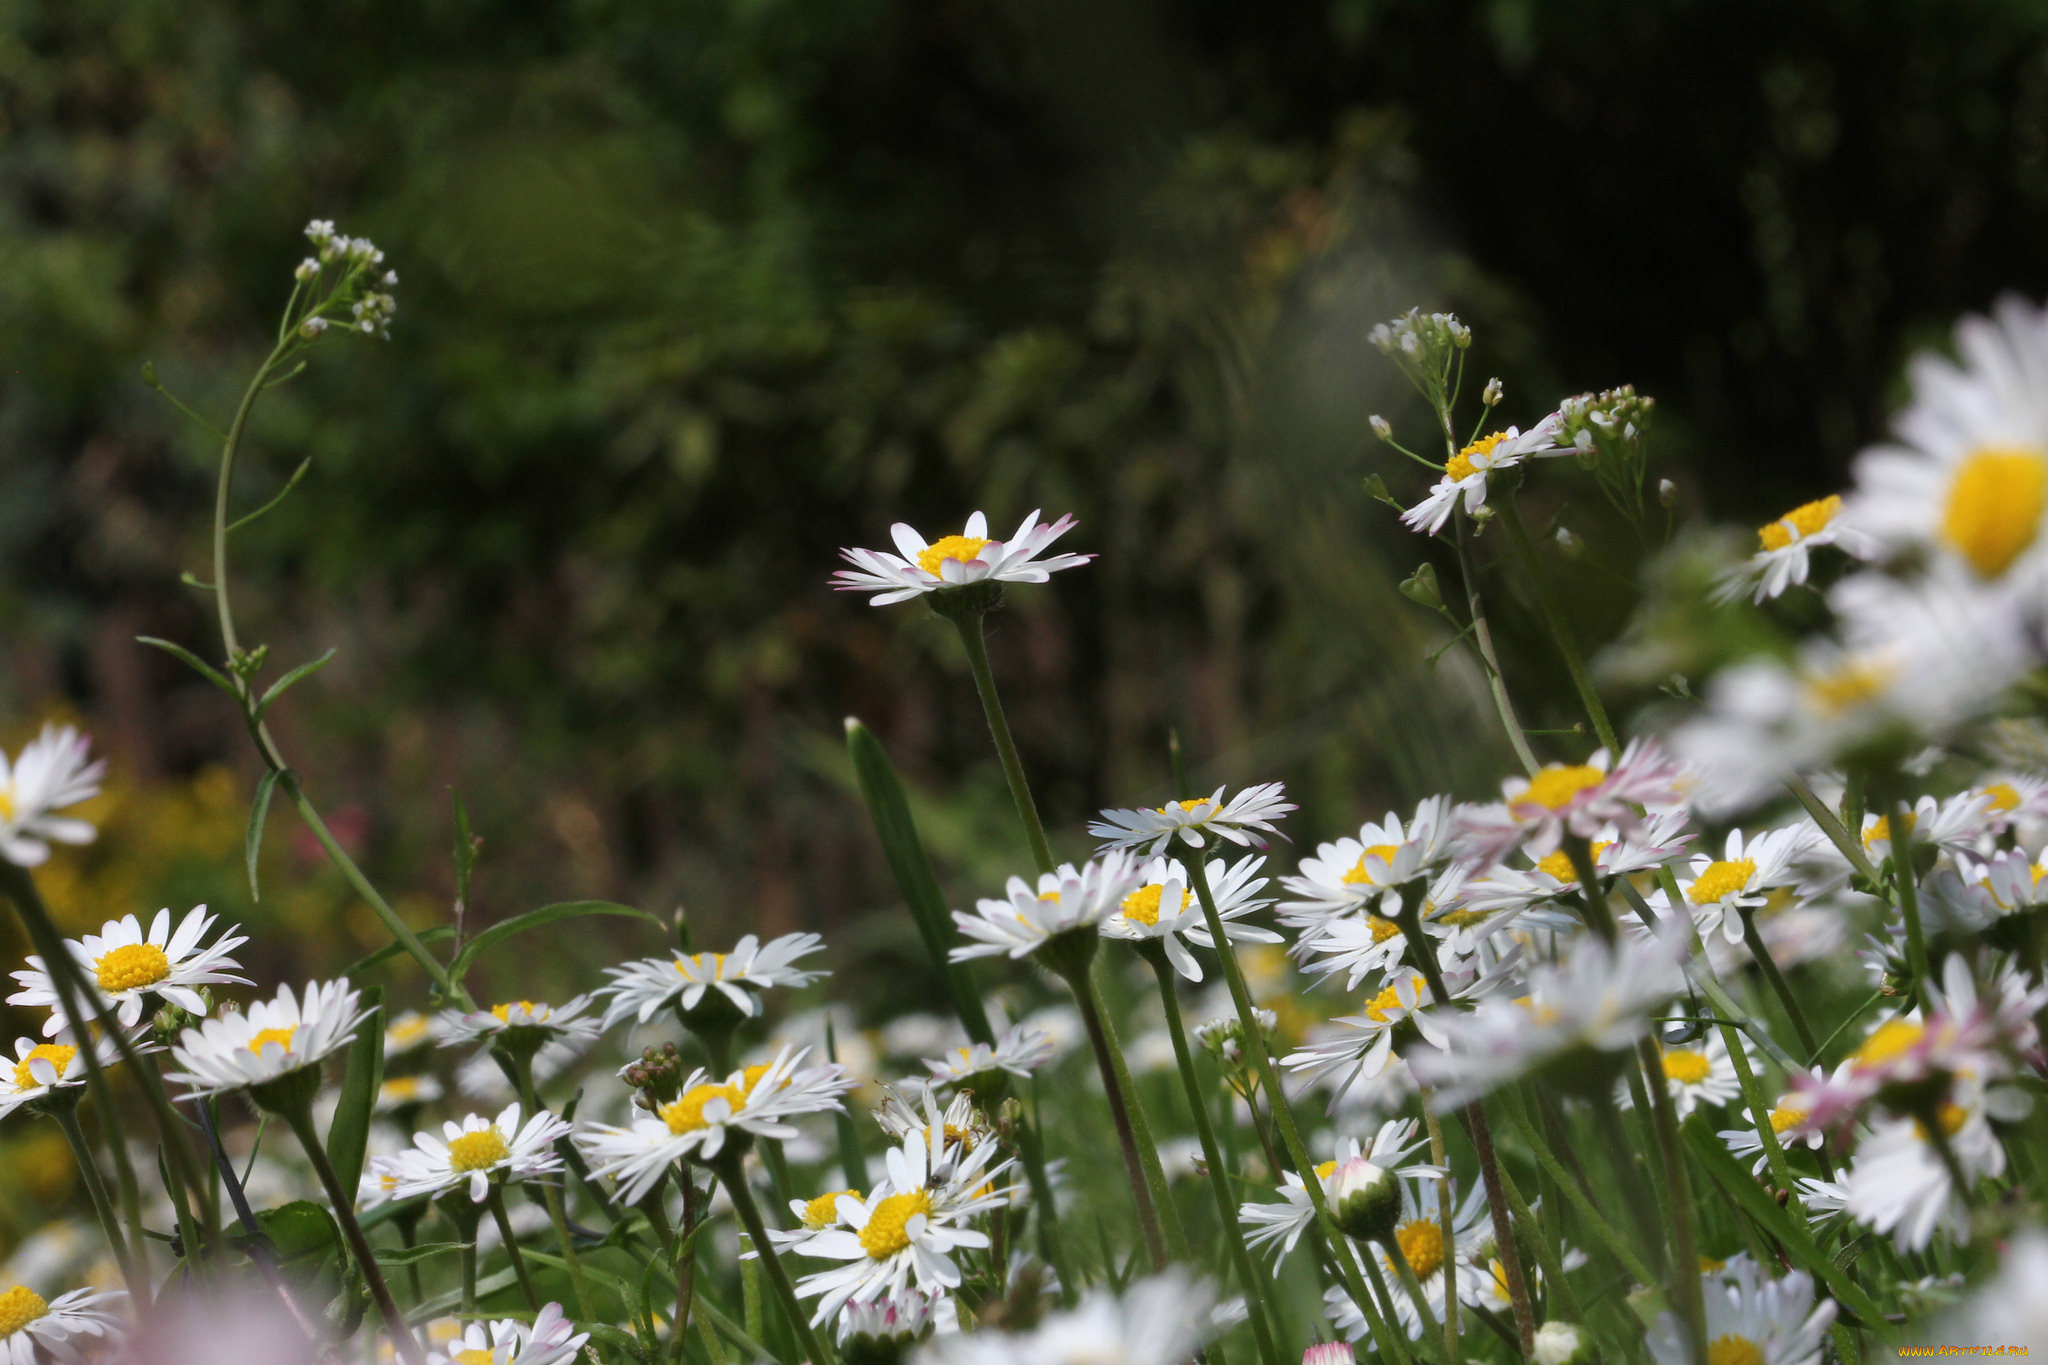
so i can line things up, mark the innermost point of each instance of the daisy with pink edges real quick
(1577, 798)
(920, 567)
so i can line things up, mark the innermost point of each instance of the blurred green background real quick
(694, 293)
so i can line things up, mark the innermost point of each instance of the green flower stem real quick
(300, 1117)
(66, 1114)
(1072, 960)
(974, 639)
(1589, 1213)
(1548, 1256)
(259, 732)
(1446, 1221)
(1760, 951)
(1387, 1325)
(1850, 846)
(1398, 1258)
(731, 1171)
(1759, 1108)
(1900, 826)
(551, 1193)
(1423, 958)
(1258, 1295)
(1574, 662)
(1031, 1143)
(1685, 1270)
(1482, 639)
(468, 1256)
(1390, 1339)
(511, 1241)
(683, 1257)
(1599, 914)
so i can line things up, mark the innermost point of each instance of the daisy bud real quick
(1329, 1353)
(1365, 1200)
(170, 1020)
(1421, 587)
(1667, 492)
(312, 327)
(1381, 427)
(1491, 394)
(307, 269)
(1569, 545)
(1561, 1343)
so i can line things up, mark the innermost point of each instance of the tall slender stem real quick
(1075, 968)
(512, 1251)
(1574, 662)
(1032, 1145)
(686, 1267)
(732, 1173)
(1753, 939)
(1503, 1229)
(1685, 1268)
(1258, 1297)
(1899, 825)
(300, 1117)
(551, 1193)
(974, 639)
(1446, 1221)
(66, 1114)
(1589, 1213)
(1482, 639)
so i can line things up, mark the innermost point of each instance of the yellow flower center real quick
(1359, 873)
(1386, 1002)
(688, 967)
(1712, 1265)
(1462, 918)
(1892, 1040)
(529, 1012)
(823, 1211)
(1460, 465)
(1734, 1350)
(1799, 523)
(402, 1089)
(132, 966)
(58, 1055)
(7, 804)
(1559, 864)
(686, 1115)
(1787, 1115)
(1687, 1066)
(478, 1151)
(281, 1036)
(19, 1307)
(1849, 685)
(961, 548)
(1142, 905)
(1382, 928)
(2004, 796)
(1994, 506)
(751, 1077)
(1721, 880)
(1422, 1242)
(472, 1356)
(1881, 829)
(409, 1030)
(1558, 783)
(885, 1234)
(1325, 1170)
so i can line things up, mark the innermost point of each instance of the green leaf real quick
(534, 919)
(1754, 1200)
(259, 812)
(277, 689)
(348, 1136)
(194, 662)
(853, 1164)
(390, 950)
(465, 854)
(896, 829)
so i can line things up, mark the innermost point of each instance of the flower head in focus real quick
(1785, 550)
(1020, 1051)
(28, 1322)
(641, 988)
(921, 567)
(472, 1152)
(519, 1022)
(1466, 473)
(1165, 909)
(49, 1071)
(1069, 901)
(271, 1042)
(50, 773)
(551, 1339)
(1192, 823)
(127, 966)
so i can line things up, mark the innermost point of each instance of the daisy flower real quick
(1578, 798)
(905, 1232)
(1281, 1225)
(1577, 1018)
(1967, 480)
(1696, 1074)
(1349, 874)
(1020, 1051)
(1743, 877)
(50, 773)
(1366, 1046)
(407, 1032)
(2015, 797)
(2013, 1305)
(1420, 1234)
(1506, 887)
(887, 1326)
(1752, 1319)
(28, 1321)
(1465, 473)
(1066, 901)
(473, 1151)
(1165, 909)
(955, 561)
(1785, 550)
(708, 1115)
(521, 1021)
(963, 1120)
(46, 1070)
(1788, 1120)
(269, 1041)
(128, 966)
(641, 988)
(1192, 823)
(407, 1092)
(1158, 1321)
(550, 1340)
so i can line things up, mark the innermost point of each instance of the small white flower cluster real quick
(361, 293)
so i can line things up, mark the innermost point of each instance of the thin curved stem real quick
(95, 1188)
(974, 639)
(343, 1201)
(511, 1241)
(1574, 662)
(551, 1194)
(1899, 825)
(734, 1177)
(1753, 939)
(1482, 638)
(1115, 1087)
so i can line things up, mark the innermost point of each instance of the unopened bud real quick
(1667, 492)
(1491, 394)
(1562, 1343)
(1381, 427)
(1365, 1200)
(307, 269)
(1329, 1353)
(1420, 587)
(1568, 544)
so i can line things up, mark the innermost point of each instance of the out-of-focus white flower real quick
(1166, 909)
(1576, 798)
(1241, 819)
(550, 1340)
(2012, 1307)
(407, 1032)
(1020, 1051)
(1067, 901)
(474, 1151)
(269, 1041)
(1764, 1321)
(1466, 472)
(127, 966)
(1786, 547)
(50, 773)
(921, 567)
(640, 988)
(1159, 1321)
(1404, 1004)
